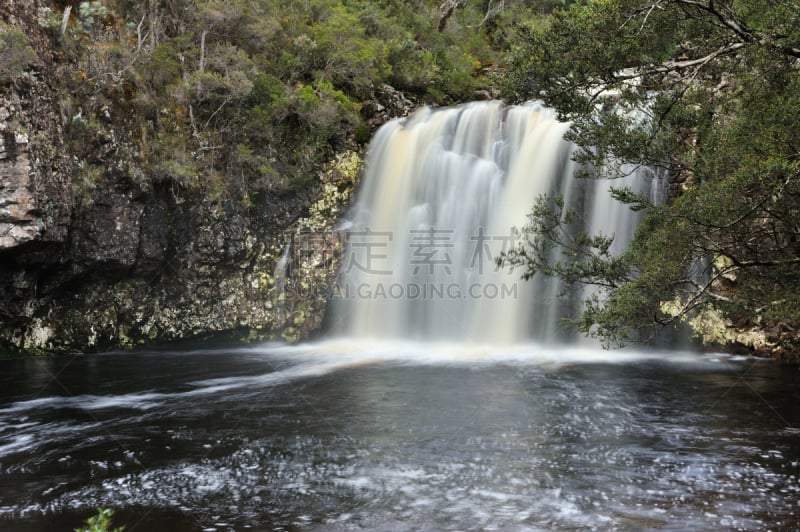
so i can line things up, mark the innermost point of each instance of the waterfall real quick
(441, 193)
(279, 275)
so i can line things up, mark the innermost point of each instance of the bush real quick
(15, 53)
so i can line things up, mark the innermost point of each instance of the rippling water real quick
(344, 436)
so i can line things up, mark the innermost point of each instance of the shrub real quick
(15, 53)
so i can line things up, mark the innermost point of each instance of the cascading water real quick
(442, 192)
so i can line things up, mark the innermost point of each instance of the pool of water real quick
(349, 435)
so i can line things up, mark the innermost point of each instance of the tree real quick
(708, 92)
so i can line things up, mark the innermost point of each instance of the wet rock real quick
(108, 233)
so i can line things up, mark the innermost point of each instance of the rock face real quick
(138, 269)
(127, 261)
(18, 206)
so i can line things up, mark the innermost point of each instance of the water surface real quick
(347, 436)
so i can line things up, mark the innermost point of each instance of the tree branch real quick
(740, 29)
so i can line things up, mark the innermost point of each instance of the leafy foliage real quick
(15, 52)
(239, 97)
(709, 92)
(100, 522)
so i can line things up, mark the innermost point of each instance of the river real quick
(346, 435)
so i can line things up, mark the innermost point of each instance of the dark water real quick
(343, 436)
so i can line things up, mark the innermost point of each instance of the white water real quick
(442, 192)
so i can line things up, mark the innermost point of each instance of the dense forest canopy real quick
(707, 92)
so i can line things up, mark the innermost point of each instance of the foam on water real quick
(356, 351)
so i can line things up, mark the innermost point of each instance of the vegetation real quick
(239, 97)
(15, 52)
(709, 93)
(100, 522)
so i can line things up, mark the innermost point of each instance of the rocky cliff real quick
(96, 256)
